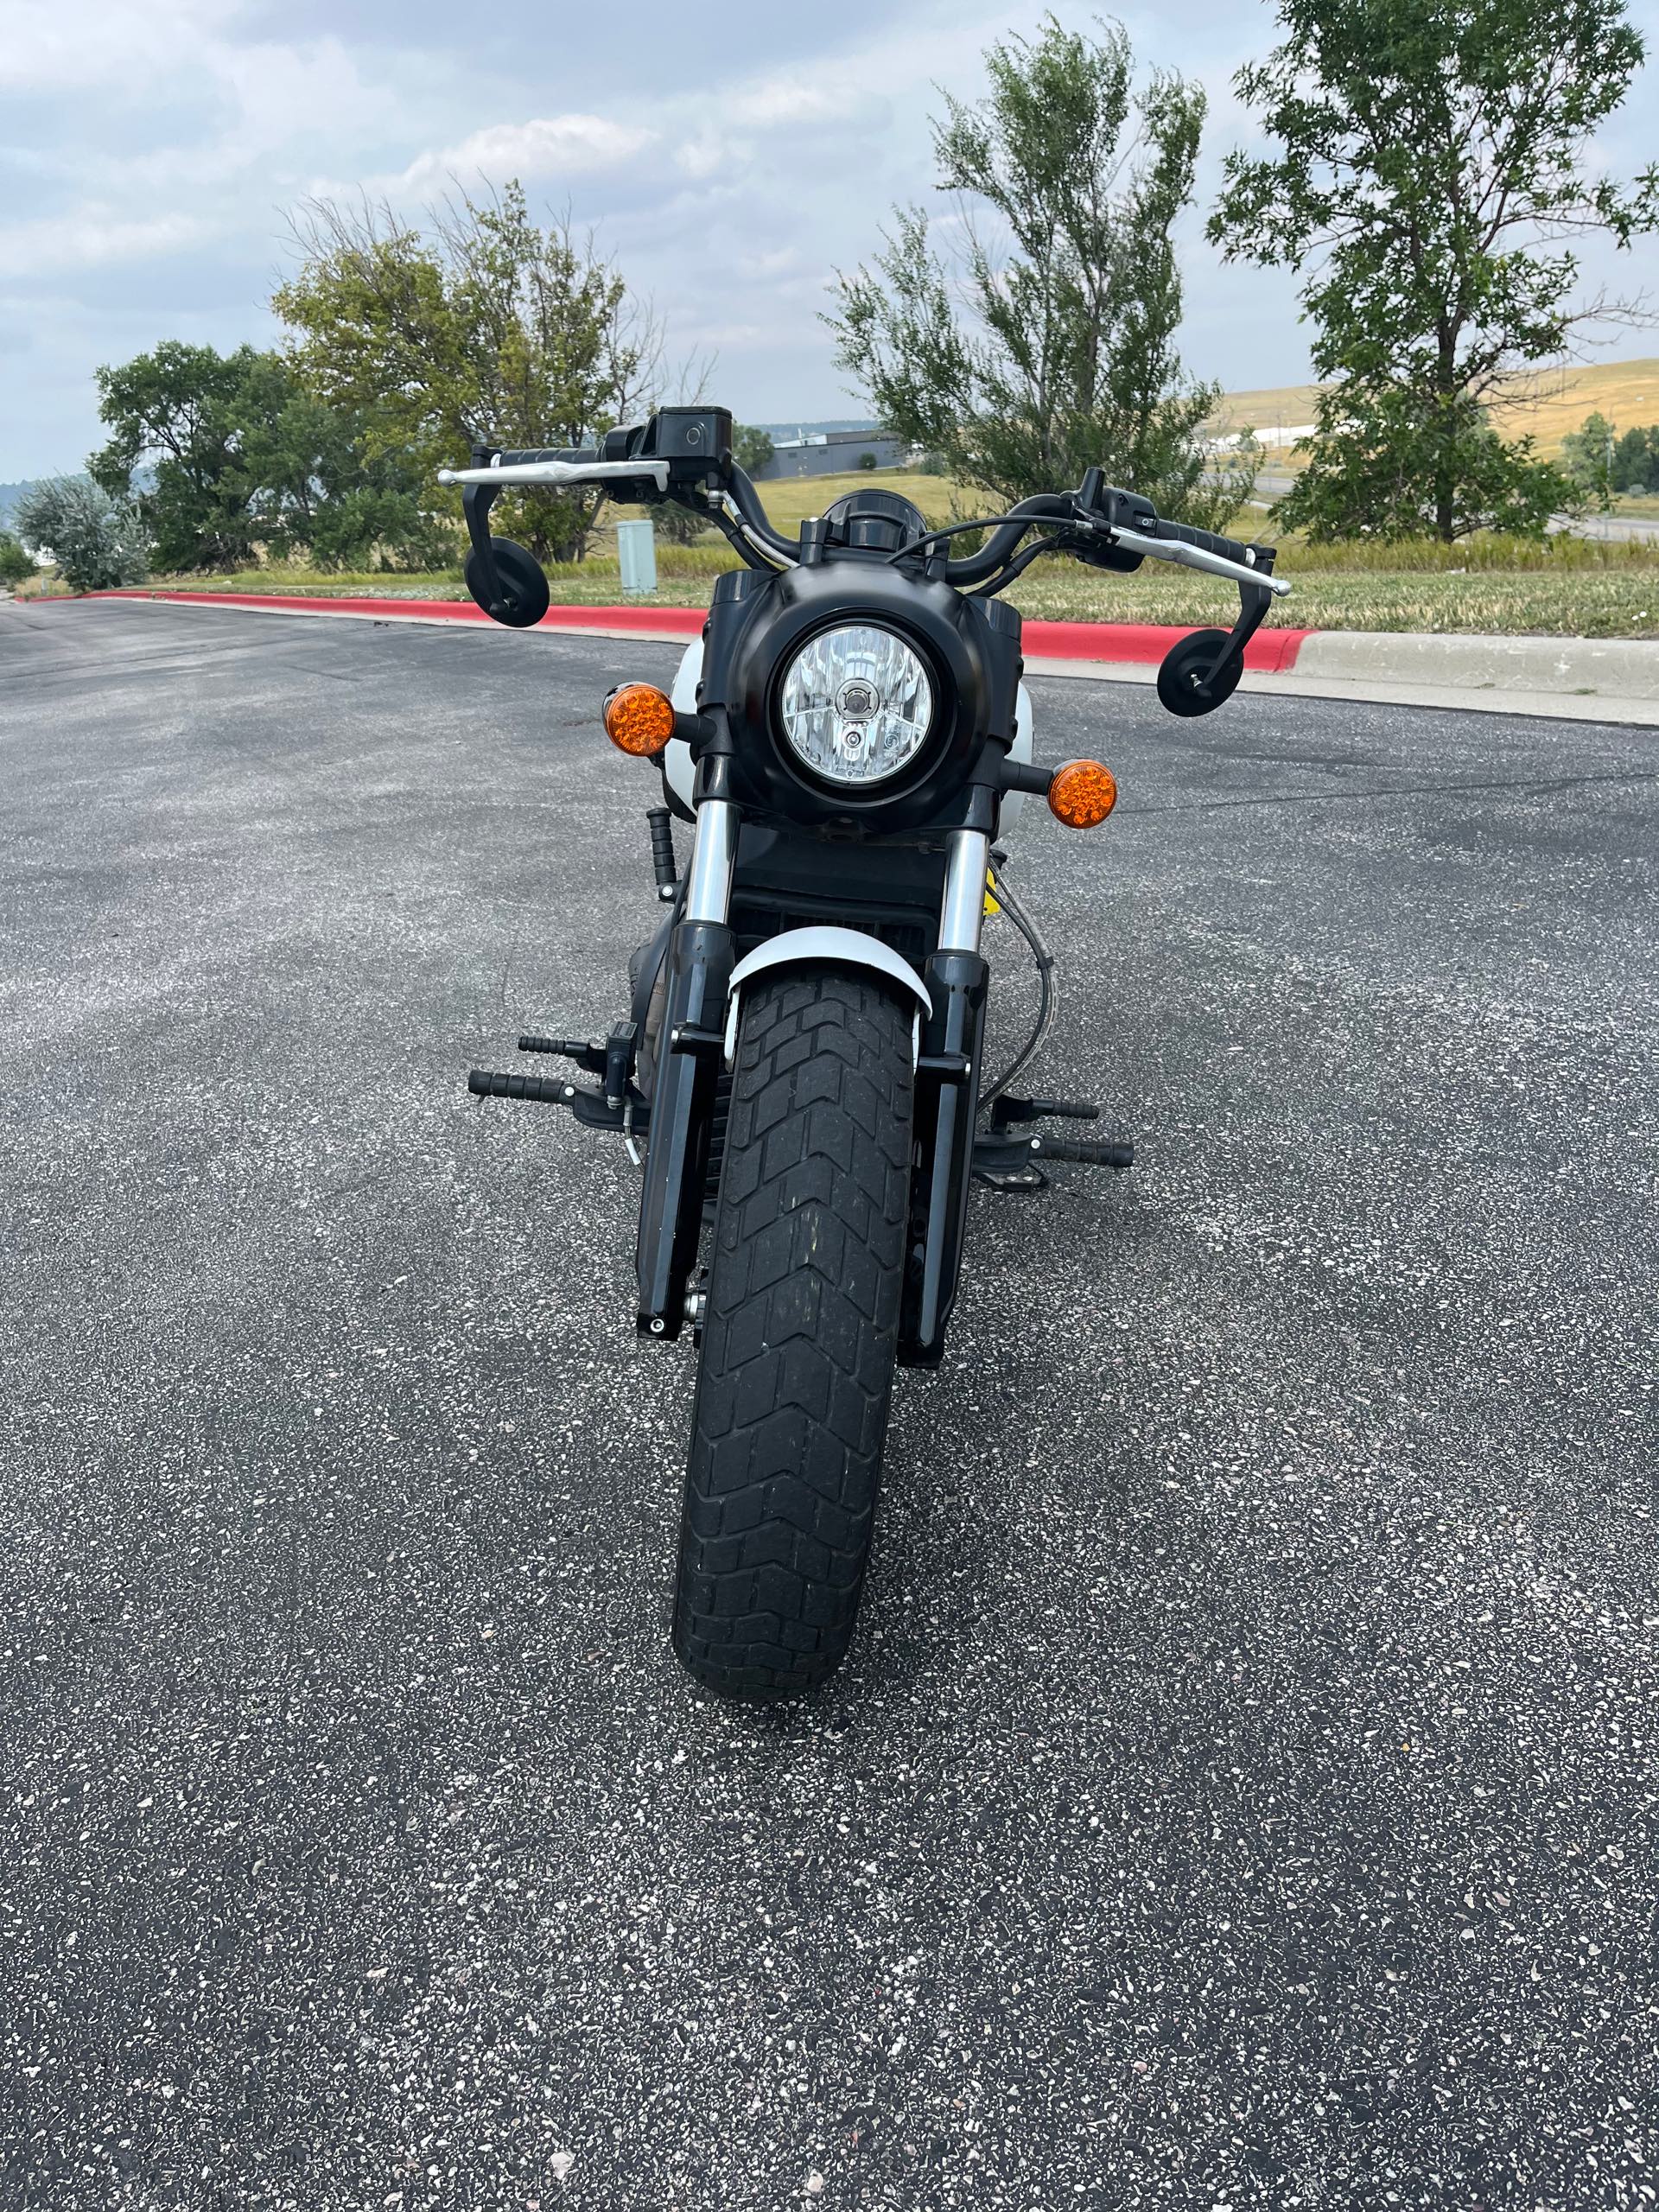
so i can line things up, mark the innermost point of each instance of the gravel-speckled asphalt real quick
(1242, 1791)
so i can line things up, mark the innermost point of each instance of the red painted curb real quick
(1272, 651)
(662, 622)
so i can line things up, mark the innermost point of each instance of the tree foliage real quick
(96, 541)
(485, 325)
(1048, 346)
(16, 566)
(230, 453)
(752, 447)
(1603, 462)
(1429, 173)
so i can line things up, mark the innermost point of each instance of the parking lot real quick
(1243, 1789)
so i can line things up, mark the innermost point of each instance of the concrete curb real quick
(1624, 668)
(1547, 706)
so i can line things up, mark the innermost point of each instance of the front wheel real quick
(799, 1334)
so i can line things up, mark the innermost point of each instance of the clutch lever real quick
(558, 471)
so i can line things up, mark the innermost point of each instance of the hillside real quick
(1548, 404)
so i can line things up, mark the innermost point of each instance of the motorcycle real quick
(800, 1072)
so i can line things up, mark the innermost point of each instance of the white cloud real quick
(95, 237)
(786, 103)
(552, 145)
(113, 44)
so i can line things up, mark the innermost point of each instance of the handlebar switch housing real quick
(1105, 503)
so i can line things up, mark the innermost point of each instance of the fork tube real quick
(963, 908)
(714, 848)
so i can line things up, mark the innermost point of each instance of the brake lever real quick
(1181, 554)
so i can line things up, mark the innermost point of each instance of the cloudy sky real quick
(730, 156)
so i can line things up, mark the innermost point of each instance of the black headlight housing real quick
(970, 648)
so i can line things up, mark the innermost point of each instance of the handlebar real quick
(683, 454)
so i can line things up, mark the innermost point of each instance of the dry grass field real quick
(1545, 406)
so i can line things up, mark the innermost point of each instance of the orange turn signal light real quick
(638, 719)
(1081, 794)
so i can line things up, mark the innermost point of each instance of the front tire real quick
(799, 1334)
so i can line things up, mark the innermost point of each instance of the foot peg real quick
(628, 1113)
(1114, 1152)
(1007, 1111)
(586, 1052)
(484, 1084)
(1005, 1162)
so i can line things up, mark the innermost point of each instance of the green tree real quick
(16, 566)
(1429, 173)
(484, 325)
(1588, 453)
(1070, 180)
(174, 414)
(230, 453)
(752, 447)
(96, 541)
(1636, 461)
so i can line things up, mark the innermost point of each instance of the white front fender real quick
(809, 947)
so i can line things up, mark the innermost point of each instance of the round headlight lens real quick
(857, 703)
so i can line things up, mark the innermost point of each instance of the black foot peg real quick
(484, 1084)
(1007, 1111)
(1006, 1162)
(586, 1052)
(1115, 1152)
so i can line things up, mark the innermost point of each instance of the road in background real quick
(1274, 484)
(1242, 1791)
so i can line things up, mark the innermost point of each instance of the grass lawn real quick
(1568, 587)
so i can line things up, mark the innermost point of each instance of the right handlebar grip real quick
(1207, 541)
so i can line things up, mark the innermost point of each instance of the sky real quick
(729, 156)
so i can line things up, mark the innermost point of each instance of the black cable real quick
(1045, 960)
(1004, 577)
(953, 529)
(740, 544)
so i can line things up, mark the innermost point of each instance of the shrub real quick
(96, 541)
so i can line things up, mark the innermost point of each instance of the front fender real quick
(813, 947)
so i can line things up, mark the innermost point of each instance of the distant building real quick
(832, 453)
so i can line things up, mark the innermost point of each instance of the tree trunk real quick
(1445, 488)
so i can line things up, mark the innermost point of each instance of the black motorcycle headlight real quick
(856, 703)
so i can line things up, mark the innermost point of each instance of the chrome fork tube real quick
(963, 908)
(713, 850)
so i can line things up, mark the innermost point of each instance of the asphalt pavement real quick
(1243, 1790)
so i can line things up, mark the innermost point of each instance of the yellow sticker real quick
(991, 905)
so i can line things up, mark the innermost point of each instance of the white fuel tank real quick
(677, 761)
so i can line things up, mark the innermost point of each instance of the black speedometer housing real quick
(970, 647)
